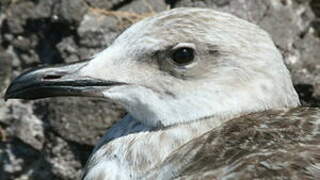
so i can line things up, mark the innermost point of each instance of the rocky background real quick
(52, 138)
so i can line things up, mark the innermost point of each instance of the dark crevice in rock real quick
(284, 2)
(35, 1)
(31, 160)
(316, 25)
(4, 125)
(315, 6)
(40, 109)
(120, 4)
(302, 35)
(20, 53)
(171, 3)
(81, 151)
(306, 92)
(222, 3)
(4, 4)
(3, 29)
(49, 34)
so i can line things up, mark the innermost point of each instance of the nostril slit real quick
(51, 77)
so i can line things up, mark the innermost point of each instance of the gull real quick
(182, 74)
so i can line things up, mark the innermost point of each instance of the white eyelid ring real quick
(187, 45)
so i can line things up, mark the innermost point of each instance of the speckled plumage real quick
(265, 145)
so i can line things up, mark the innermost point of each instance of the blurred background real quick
(52, 138)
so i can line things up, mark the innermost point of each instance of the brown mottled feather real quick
(267, 145)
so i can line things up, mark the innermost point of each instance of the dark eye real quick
(183, 56)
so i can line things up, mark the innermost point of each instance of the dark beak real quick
(63, 80)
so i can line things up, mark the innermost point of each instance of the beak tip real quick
(7, 95)
(5, 98)
(12, 92)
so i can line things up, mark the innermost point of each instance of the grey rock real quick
(57, 161)
(23, 43)
(17, 16)
(309, 66)
(25, 125)
(70, 11)
(63, 160)
(110, 4)
(69, 50)
(97, 30)
(144, 6)
(81, 120)
(44, 9)
(35, 28)
(17, 160)
(5, 70)
(100, 27)
(5, 76)
(2, 18)
(5, 119)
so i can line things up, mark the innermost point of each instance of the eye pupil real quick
(183, 56)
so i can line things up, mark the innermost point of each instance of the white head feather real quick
(237, 68)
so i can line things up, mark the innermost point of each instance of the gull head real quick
(178, 66)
